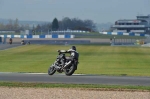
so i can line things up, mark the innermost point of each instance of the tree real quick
(38, 28)
(2, 26)
(77, 24)
(66, 23)
(9, 26)
(33, 30)
(26, 26)
(49, 26)
(55, 25)
(16, 25)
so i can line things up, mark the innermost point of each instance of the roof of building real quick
(126, 19)
(129, 21)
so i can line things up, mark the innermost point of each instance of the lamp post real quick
(114, 39)
(62, 23)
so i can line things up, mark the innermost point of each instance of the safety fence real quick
(38, 36)
(122, 33)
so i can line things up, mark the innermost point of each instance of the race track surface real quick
(7, 46)
(75, 79)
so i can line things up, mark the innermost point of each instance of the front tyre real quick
(51, 70)
(70, 70)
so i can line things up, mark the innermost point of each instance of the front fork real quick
(55, 64)
(75, 62)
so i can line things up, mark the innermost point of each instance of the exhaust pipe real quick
(67, 64)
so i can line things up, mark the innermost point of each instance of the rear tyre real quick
(51, 70)
(70, 70)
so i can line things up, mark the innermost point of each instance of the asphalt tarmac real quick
(75, 79)
(7, 46)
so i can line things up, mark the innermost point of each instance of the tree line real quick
(13, 25)
(65, 24)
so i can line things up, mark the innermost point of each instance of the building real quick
(7, 32)
(141, 25)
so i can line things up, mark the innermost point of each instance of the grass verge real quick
(81, 86)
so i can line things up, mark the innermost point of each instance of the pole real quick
(114, 39)
(4, 40)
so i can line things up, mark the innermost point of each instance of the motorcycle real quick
(10, 42)
(57, 65)
(24, 43)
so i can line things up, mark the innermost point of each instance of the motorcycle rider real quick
(22, 42)
(73, 55)
(10, 40)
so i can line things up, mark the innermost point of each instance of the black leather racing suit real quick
(73, 55)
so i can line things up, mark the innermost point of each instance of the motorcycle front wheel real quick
(51, 70)
(70, 70)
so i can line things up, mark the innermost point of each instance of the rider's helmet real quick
(73, 48)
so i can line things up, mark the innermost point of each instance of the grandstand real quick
(141, 25)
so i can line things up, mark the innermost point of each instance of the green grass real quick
(84, 86)
(94, 59)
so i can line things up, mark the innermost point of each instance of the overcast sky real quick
(100, 11)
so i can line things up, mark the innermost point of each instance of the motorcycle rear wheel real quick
(70, 70)
(51, 70)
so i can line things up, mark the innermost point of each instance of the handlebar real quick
(61, 51)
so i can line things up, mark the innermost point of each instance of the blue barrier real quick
(67, 36)
(29, 36)
(0, 39)
(42, 36)
(109, 33)
(5, 36)
(21, 36)
(122, 33)
(131, 34)
(54, 35)
(12, 36)
(142, 35)
(38, 36)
